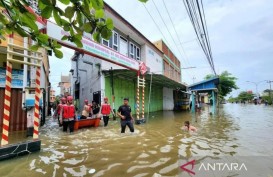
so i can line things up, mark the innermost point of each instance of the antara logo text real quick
(213, 167)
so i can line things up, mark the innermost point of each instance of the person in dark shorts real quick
(105, 110)
(126, 118)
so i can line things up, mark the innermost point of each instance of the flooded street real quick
(156, 147)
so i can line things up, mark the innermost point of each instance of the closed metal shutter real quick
(17, 114)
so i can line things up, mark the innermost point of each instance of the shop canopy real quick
(157, 79)
(205, 86)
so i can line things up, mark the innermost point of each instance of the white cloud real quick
(60, 67)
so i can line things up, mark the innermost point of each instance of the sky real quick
(240, 32)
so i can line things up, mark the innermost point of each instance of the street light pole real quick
(256, 84)
(150, 96)
(270, 94)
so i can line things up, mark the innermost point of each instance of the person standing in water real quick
(69, 115)
(126, 118)
(95, 110)
(105, 110)
(86, 110)
(189, 127)
(57, 113)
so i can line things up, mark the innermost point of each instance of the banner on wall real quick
(55, 32)
(17, 78)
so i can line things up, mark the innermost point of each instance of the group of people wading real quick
(66, 113)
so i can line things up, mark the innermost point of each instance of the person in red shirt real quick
(68, 115)
(57, 113)
(105, 111)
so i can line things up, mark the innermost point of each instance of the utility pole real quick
(270, 89)
(193, 80)
(256, 84)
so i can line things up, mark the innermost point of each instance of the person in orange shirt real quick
(189, 127)
(105, 111)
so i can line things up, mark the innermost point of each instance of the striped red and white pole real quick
(36, 108)
(143, 97)
(6, 117)
(137, 97)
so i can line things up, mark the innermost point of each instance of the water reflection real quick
(155, 149)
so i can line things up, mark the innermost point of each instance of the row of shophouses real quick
(93, 78)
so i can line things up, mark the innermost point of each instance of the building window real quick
(105, 42)
(134, 51)
(115, 41)
(112, 42)
(132, 54)
(123, 46)
(138, 53)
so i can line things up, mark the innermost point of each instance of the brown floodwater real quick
(155, 148)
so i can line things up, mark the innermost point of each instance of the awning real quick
(157, 79)
(205, 85)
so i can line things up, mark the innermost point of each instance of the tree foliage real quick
(245, 96)
(74, 16)
(226, 83)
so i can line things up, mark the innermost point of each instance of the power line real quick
(167, 30)
(155, 23)
(158, 28)
(186, 57)
(197, 19)
(206, 29)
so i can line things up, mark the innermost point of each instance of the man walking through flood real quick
(126, 118)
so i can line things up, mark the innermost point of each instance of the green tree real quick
(231, 99)
(74, 16)
(245, 96)
(226, 83)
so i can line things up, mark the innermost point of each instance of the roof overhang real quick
(157, 79)
(205, 86)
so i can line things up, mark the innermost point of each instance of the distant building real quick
(52, 96)
(65, 85)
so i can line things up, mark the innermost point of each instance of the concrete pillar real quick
(213, 103)
(193, 102)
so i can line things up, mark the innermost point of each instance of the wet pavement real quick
(157, 147)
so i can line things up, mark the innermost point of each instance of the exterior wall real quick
(65, 85)
(152, 59)
(107, 66)
(127, 88)
(171, 63)
(89, 76)
(168, 101)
